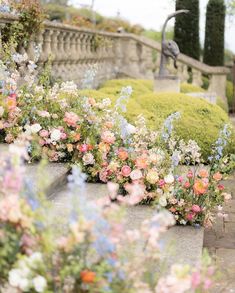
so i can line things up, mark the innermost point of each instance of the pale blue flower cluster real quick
(123, 99)
(89, 77)
(5, 8)
(221, 143)
(168, 126)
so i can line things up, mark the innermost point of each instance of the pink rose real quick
(136, 174)
(103, 175)
(126, 171)
(190, 216)
(71, 119)
(108, 137)
(196, 208)
(63, 135)
(161, 182)
(44, 133)
(83, 148)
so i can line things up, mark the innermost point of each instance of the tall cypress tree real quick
(214, 35)
(186, 31)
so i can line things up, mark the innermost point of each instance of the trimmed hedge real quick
(200, 120)
(190, 88)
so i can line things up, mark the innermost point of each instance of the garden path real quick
(220, 240)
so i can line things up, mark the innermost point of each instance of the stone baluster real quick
(83, 45)
(46, 45)
(183, 72)
(218, 85)
(61, 53)
(54, 45)
(196, 77)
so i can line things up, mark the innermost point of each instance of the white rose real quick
(35, 128)
(24, 285)
(136, 174)
(39, 284)
(14, 277)
(88, 159)
(169, 179)
(163, 201)
(1, 111)
(55, 135)
(152, 176)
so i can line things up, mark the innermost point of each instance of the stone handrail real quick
(74, 49)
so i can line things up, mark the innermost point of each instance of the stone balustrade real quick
(73, 50)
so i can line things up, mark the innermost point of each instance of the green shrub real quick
(229, 94)
(200, 120)
(190, 88)
(139, 86)
(222, 104)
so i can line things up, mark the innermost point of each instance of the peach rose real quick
(217, 176)
(203, 173)
(122, 154)
(141, 163)
(200, 187)
(71, 119)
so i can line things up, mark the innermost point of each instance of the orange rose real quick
(76, 137)
(203, 173)
(200, 187)
(217, 176)
(141, 163)
(122, 154)
(87, 276)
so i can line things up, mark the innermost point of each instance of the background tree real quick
(214, 35)
(186, 31)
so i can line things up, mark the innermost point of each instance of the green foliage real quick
(139, 86)
(230, 94)
(186, 32)
(190, 88)
(222, 104)
(214, 36)
(30, 22)
(197, 114)
(200, 120)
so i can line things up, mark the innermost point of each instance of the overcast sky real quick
(152, 13)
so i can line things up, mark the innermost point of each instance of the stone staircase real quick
(182, 244)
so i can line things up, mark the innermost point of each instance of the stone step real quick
(54, 174)
(182, 244)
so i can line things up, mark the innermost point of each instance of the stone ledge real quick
(54, 173)
(182, 244)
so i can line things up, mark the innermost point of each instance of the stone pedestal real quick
(167, 84)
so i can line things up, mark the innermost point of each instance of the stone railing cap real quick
(195, 64)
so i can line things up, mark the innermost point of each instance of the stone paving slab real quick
(54, 174)
(183, 244)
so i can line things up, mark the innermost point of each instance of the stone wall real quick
(73, 50)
